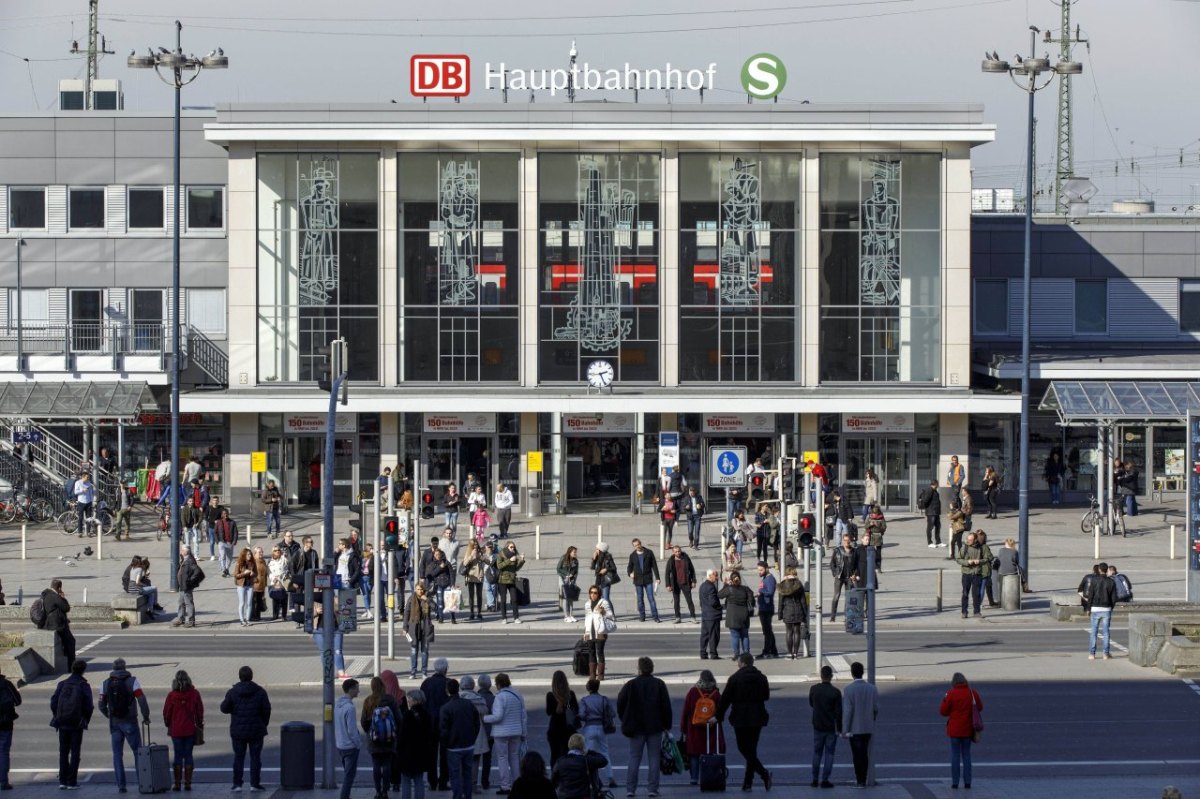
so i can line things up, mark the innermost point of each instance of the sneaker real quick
(941, 546)
(1091, 657)
(1107, 656)
(212, 558)
(516, 621)
(826, 784)
(933, 546)
(256, 789)
(236, 789)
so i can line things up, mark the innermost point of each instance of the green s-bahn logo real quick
(763, 76)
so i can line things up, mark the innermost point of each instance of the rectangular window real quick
(205, 208)
(27, 208)
(991, 307)
(85, 209)
(206, 310)
(1189, 306)
(1091, 306)
(146, 307)
(35, 308)
(145, 209)
(87, 307)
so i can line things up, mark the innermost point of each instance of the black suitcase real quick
(153, 766)
(582, 662)
(522, 585)
(713, 771)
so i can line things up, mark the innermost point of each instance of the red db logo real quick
(440, 75)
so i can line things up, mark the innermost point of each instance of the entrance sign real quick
(533, 461)
(589, 423)
(668, 450)
(726, 467)
(258, 461)
(298, 424)
(878, 423)
(738, 423)
(460, 423)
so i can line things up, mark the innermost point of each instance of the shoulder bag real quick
(976, 717)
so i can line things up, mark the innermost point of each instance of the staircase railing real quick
(207, 356)
(55, 458)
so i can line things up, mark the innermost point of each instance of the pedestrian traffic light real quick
(787, 479)
(808, 529)
(391, 533)
(427, 504)
(757, 486)
(357, 510)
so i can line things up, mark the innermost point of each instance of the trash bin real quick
(533, 503)
(1010, 591)
(297, 754)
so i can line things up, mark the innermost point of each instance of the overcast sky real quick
(1136, 105)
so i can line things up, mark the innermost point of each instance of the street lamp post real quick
(170, 66)
(1032, 70)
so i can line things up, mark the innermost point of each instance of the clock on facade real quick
(600, 374)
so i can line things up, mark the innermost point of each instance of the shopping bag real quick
(453, 598)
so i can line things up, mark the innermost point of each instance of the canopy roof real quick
(1104, 402)
(76, 400)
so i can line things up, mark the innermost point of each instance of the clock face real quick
(600, 374)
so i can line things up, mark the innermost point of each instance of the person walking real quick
(121, 697)
(183, 715)
(694, 508)
(876, 526)
(191, 518)
(418, 629)
(347, 738)
(71, 709)
(700, 736)
(459, 726)
(605, 567)
(826, 703)
(681, 579)
(439, 578)
(10, 699)
(568, 575)
(508, 563)
(510, 725)
(745, 700)
(765, 605)
(244, 572)
(249, 711)
(212, 513)
(643, 570)
(503, 503)
(973, 559)
(226, 531)
(436, 696)
(930, 501)
(739, 607)
(991, 490)
(841, 566)
(598, 622)
(57, 608)
(574, 776)
(380, 720)
(860, 709)
(988, 570)
(1102, 598)
(598, 720)
(711, 612)
(644, 707)
(793, 611)
(959, 706)
(562, 707)
(668, 512)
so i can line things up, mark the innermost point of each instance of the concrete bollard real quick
(662, 541)
(250, 534)
(85, 595)
(939, 589)
(1172, 541)
(23, 555)
(1010, 591)
(599, 533)
(1096, 539)
(537, 542)
(99, 542)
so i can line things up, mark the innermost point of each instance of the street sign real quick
(811, 455)
(726, 467)
(533, 461)
(668, 450)
(26, 437)
(258, 461)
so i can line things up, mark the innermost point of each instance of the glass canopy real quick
(76, 400)
(1104, 402)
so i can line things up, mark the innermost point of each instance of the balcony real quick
(88, 348)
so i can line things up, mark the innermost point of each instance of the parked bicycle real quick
(20, 508)
(99, 522)
(1094, 517)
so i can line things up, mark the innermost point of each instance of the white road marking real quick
(97, 642)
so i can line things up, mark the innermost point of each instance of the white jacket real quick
(508, 717)
(593, 622)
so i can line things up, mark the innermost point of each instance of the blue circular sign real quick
(728, 463)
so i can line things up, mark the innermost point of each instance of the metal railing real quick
(200, 350)
(56, 459)
(114, 339)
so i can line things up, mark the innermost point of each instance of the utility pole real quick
(96, 47)
(1064, 165)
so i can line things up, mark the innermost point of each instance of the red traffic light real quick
(426, 504)
(391, 525)
(427, 498)
(756, 480)
(807, 521)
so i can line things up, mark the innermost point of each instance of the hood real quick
(392, 685)
(790, 585)
(119, 674)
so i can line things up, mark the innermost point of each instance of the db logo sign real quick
(440, 75)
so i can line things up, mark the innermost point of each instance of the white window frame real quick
(26, 296)
(187, 215)
(162, 200)
(193, 304)
(98, 229)
(45, 207)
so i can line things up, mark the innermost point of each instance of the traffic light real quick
(427, 504)
(334, 360)
(808, 529)
(787, 479)
(357, 523)
(391, 533)
(757, 486)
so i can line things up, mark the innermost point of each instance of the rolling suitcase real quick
(713, 772)
(522, 585)
(153, 765)
(582, 662)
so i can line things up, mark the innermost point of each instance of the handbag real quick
(453, 599)
(571, 592)
(610, 624)
(976, 718)
(198, 739)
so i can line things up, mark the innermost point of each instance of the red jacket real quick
(956, 707)
(182, 712)
(700, 739)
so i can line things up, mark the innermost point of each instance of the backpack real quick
(37, 613)
(119, 698)
(383, 725)
(1124, 588)
(70, 705)
(610, 717)
(705, 709)
(923, 501)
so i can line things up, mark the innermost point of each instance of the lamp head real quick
(215, 60)
(136, 61)
(172, 60)
(1069, 68)
(1036, 65)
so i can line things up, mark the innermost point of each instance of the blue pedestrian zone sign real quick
(726, 467)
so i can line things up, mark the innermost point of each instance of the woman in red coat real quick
(700, 739)
(183, 713)
(960, 726)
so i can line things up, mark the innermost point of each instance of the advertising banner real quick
(300, 424)
(575, 424)
(739, 423)
(460, 423)
(878, 422)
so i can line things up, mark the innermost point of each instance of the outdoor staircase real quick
(54, 460)
(200, 350)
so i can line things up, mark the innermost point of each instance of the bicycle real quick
(21, 508)
(1094, 517)
(100, 522)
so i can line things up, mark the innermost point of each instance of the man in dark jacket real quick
(710, 616)
(765, 599)
(860, 572)
(249, 711)
(974, 559)
(55, 603)
(436, 696)
(681, 579)
(71, 710)
(826, 703)
(745, 698)
(644, 707)
(841, 565)
(458, 727)
(931, 502)
(307, 559)
(574, 776)
(643, 569)
(1101, 601)
(188, 578)
(121, 697)
(10, 698)
(693, 508)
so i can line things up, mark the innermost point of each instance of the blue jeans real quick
(123, 730)
(731, 509)
(489, 591)
(645, 593)
(240, 745)
(419, 646)
(272, 519)
(740, 640)
(339, 660)
(1056, 491)
(151, 594)
(694, 529)
(183, 750)
(245, 595)
(365, 588)
(349, 770)
(1100, 617)
(596, 741)
(461, 762)
(452, 519)
(839, 527)
(439, 602)
(653, 746)
(5, 747)
(960, 750)
(824, 748)
(212, 541)
(412, 786)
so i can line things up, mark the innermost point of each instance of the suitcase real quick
(713, 772)
(522, 586)
(153, 765)
(582, 662)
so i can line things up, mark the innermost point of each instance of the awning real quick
(43, 400)
(1111, 402)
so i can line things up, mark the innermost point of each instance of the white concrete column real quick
(389, 439)
(956, 266)
(243, 439)
(391, 330)
(242, 290)
(810, 272)
(668, 267)
(530, 443)
(530, 273)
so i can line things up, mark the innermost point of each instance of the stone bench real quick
(47, 650)
(1179, 654)
(131, 608)
(20, 664)
(1154, 641)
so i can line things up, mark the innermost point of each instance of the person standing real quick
(605, 567)
(451, 502)
(793, 611)
(458, 729)
(212, 512)
(1053, 475)
(436, 696)
(85, 500)
(597, 623)
(959, 706)
(1102, 598)
(568, 575)
(693, 508)
(348, 738)
(183, 714)
(699, 734)
(249, 711)
(1009, 563)
(121, 697)
(826, 703)
(414, 747)
(57, 608)
(711, 612)
(597, 719)
(860, 709)
(508, 563)
(562, 707)
(870, 493)
(272, 502)
(876, 526)
(574, 775)
(191, 519)
(244, 572)
(380, 720)
(930, 501)
(644, 707)
(71, 709)
(991, 489)
(739, 607)
(974, 558)
(643, 570)
(681, 579)
(765, 599)
(10, 698)
(745, 699)
(226, 531)
(956, 476)
(473, 567)
(841, 566)
(510, 726)
(504, 504)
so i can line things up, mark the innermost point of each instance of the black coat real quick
(710, 603)
(417, 744)
(739, 606)
(189, 575)
(434, 688)
(793, 604)
(841, 564)
(745, 696)
(932, 501)
(648, 573)
(57, 608)
(458, 723)
(574, 773)
(249, 710)
(689, 571)
(606, 561)
(644, 706)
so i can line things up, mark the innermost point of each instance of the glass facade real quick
(880, 265)
(738, 266)
(458, 257)
(598, 255)
(318, 262)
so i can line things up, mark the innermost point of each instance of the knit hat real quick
(602, 546)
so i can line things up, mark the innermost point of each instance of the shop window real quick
(85, 209)
(991, 307)
(145, 208)
(1189, 306)
(1091, 306)
(27, 208)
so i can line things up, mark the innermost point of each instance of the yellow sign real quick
(533, 461)
(814, 456)
(258, 461)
